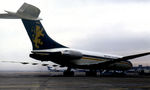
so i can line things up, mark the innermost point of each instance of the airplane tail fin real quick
(37, 34)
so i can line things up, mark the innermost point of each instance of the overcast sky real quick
(119, 27)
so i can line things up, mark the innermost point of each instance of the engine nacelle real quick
(72, 54)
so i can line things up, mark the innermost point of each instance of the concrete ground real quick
(55, 81)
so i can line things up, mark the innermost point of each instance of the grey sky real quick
(111, 26)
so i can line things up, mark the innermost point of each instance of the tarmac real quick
(55, 81)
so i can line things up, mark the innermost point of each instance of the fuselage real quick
(83, 59)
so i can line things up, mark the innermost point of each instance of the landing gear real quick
(101, 72)
(68, 73)
(123, 73)
(91, 73)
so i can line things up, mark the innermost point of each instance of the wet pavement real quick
(55, 81)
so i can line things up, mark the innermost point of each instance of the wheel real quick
(68, 73)
(91, 73)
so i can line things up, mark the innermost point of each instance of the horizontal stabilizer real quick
(26, 11)
(8, 16)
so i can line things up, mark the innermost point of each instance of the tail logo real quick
(37, 33)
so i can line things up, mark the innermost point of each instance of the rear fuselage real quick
(80, 59)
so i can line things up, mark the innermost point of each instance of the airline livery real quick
(46, 49)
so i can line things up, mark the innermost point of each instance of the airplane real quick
(47, 49)
(55, 69)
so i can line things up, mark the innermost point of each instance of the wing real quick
(126, 58)
(134, 56)
(31, 63)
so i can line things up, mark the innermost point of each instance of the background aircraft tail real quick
(37, 34)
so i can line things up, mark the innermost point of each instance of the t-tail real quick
(37, 34)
